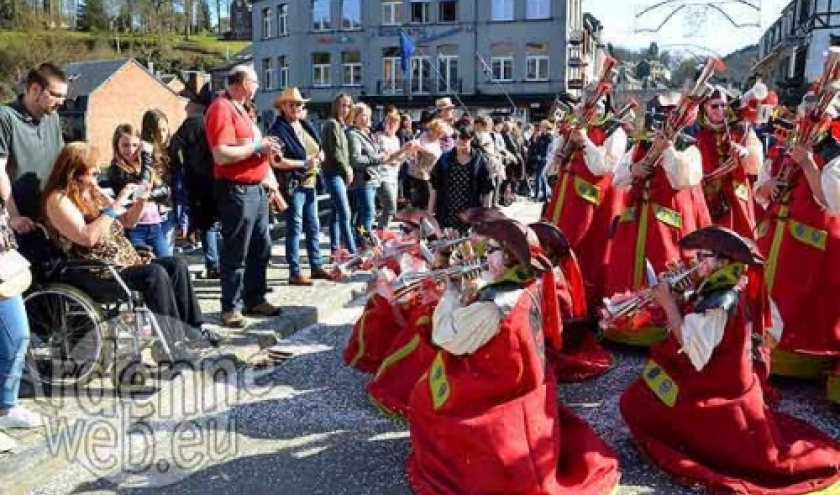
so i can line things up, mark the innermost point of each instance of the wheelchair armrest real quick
(85, 264)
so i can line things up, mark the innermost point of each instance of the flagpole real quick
(489, 73)
(437, 72)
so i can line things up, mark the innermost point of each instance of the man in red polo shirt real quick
(241, 189)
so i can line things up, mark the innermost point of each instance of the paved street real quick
(305, 427)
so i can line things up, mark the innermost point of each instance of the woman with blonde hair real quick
(427, 150)
(134, 162)
(88, 224)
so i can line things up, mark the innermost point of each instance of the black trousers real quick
(166, 287)
(419, 191)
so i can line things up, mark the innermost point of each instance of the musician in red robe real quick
(663, 203)
(580, 356)
(800, 236)
(584, 202)
(485, 418)
(383, 315)
(698, 411)
(731, 153)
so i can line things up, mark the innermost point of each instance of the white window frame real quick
(268, 73)
(392, 13)
(355, 69)
(283, 19)
(392, 76)
(353, 27)
(541, 62)
(266, 23)
(282, 71)
(420, 61)
(317, 23)
(427, 10)
(445, 62)
(321, 77)
(502, 10)
(538, 9)
(498, 67)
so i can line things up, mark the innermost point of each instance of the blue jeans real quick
(302, 218)
(156, 236)
(340, 230)
(365, 200)
(543, 189)
(210, 241)
(14, 340)
(243, 263)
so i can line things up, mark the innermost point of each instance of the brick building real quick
(105, 93)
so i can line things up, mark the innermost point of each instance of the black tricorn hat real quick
(724, 242)
(516, 238)
(551, 238)
(478, 214)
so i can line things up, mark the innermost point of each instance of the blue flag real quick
(407, 49)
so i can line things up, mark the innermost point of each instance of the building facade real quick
(792, 50)
(483, 53)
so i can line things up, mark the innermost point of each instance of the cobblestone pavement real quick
(307, 428)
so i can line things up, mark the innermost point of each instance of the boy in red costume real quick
(731, 153)
(384, 316)
(584, 201)
(698, 411)
(485, 420)
(800, 236)
(580, 357)
(663, 203)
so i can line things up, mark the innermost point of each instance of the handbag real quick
(15, 274)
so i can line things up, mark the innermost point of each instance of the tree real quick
(204, 20)
(92, 16)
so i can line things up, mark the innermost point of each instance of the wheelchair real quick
(76, 337)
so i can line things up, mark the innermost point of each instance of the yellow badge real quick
(742, 192)
(589, 192)
(660, 383)
(438, 382)
(810, 236)
(668, 216)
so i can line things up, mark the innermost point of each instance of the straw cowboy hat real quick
(444, 103)
(291, 94)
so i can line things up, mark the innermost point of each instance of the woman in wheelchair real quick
(87, 224)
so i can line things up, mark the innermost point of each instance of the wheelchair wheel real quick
(68, 337)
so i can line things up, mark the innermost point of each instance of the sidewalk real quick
(36, 451)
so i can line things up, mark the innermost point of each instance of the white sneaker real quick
(20, 417)
(7, 443)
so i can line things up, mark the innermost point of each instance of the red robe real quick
(729, 198)
(582, 205)
(656, 217)
(407, 360)
(481, 428)
(718, 432)
(801, 242)
(372, 334)
(581, 356)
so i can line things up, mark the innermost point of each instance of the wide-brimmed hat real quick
(478, 214)
(290, 94)
(415, 217)
(551, 238)
(724, 242)
(444, 103)
(516, 238)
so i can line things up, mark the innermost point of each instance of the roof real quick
(245, 56)
(87, 77)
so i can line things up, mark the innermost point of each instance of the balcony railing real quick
(427, 86)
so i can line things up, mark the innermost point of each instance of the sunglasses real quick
(716, 106)
(701, 255)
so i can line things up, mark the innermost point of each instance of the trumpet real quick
(410, 281)
(811, 126)
(623, 306)
(683, 115)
